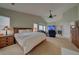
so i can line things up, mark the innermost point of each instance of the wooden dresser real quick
(6, 40)
(75, 34)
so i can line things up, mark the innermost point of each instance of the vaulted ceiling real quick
(40, 9)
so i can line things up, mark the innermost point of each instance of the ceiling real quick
(40, 9)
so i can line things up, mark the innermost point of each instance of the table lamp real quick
(6, 28)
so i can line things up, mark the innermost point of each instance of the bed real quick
(28, 40)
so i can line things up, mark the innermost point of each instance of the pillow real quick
(23, 31)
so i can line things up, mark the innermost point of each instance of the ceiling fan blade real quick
(54, 15)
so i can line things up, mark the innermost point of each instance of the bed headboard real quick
(16, 29)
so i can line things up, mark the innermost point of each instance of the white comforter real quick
(29, 40)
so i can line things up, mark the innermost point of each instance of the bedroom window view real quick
(35, 27)
(39, 29)
(4, 21)
(4, 25)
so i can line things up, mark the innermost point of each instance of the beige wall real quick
(68, 17)
(19, 19)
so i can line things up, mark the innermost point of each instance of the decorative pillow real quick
(23, 31)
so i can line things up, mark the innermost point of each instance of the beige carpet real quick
(52, 46)
(11, 50)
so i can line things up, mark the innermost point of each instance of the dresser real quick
(75, 34)
(6, 40)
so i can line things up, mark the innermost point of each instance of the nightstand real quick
(6, 40)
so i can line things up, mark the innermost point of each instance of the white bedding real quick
(29, 40)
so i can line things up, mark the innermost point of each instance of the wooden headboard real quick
(16, 29)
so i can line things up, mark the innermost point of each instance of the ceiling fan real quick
(13, 4)
(51, 16)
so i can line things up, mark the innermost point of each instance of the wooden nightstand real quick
(6, 40)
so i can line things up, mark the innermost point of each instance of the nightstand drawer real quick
(2, 44)
(6, 41)
(2, 39)
(9, 37)
(10, 41)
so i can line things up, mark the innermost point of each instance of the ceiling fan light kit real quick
(51, 16)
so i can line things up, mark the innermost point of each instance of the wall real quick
(66, 30)
(19, 19)
(78, 12)
(68, 17)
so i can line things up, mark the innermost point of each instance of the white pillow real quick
(23, 31)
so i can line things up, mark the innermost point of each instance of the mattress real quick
(29, 40)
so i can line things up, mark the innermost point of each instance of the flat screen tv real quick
(51, 27)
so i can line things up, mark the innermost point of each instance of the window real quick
(35, 27)
(41, 27)
(4, 21)
(44, 28)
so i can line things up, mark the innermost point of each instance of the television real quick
(51, 27)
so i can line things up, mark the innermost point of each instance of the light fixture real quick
(13, 4)
(51, 16)
(6, 28)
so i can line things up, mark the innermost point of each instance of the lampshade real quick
(6, 28)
